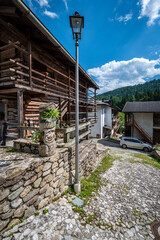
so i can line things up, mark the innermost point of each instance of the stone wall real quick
(33, 183)
(26, 146)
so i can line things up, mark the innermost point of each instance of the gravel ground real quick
(125, 206)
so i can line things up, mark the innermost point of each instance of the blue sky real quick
(120, 43)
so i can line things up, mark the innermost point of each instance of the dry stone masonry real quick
(29, 182)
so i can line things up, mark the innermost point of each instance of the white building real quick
(142, 120)
(107, 120)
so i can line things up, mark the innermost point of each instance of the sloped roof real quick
(142, 107)
(27, 17)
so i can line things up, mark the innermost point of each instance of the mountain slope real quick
(141, 88)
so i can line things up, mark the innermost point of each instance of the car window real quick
(128, 140)
(136, 141)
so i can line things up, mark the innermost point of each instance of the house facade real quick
(142, 120)
(35, 68)
(107, 120)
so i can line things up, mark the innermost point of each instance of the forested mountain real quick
(149, 91)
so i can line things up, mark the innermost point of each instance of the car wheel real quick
(124, 146)
(146, 149)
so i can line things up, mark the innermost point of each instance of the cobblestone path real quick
(126, 204)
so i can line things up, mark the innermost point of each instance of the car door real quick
(128, 142)
(137, 144)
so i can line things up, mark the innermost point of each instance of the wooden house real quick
(35, 68)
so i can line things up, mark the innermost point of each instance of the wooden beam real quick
(60, 112)
(20, 110)
(30, 60)
(5, 91)
(8, 11)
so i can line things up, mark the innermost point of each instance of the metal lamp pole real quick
(77, 186)
(77, 23)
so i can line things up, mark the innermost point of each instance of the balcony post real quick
(30, 61)
(20, 110)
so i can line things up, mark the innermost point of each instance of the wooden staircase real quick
(142, 132)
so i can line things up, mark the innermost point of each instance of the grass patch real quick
(11, 149)
(10, 234)
(22, 219)
(91, 185)
(45, 210)
(146, 159)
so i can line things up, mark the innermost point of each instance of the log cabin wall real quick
(33, 71)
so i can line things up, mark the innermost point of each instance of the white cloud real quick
(66, 5)
(50, 14)
(117, 74)
(43, 3)
(126, 18)
(150, 9)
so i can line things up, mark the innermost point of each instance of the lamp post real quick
(77, 23)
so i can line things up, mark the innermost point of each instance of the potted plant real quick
(38, 136)
(49, 117)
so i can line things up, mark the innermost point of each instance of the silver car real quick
(130, 142)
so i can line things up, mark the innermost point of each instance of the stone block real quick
(54, 165)
(60, 171)
(46, 150)
(16, 203)
(55, 185)
(37, 182)
(2, 181)
(61, 164)
(16, 186)
(27, 149)
(28, 175)
(15, 194)
(30, 181)
(7, 214)
(39, 174)
(66, 157)
(13, 222)
(4, 207)
(48, 178)
(14, 172)
(17, 146)
(13, 182)
(46, 172)
(43, 203)
(3, 224)
(49, 192)
(61, 188)
(19, 212)
(3, 194)
(47, 166)
(29, 211)
(30, 195)
(44, 189)
(37, 170)
(25, 191)
(32, 200)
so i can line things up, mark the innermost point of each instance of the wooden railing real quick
(140, 130)
(21, 72)
(67, 139)
(27, 76)
(84, 132)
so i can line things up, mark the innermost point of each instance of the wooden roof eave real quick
(31, 16)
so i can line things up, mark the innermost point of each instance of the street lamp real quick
(77, 23)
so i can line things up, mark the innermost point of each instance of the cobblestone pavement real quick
(126, 204)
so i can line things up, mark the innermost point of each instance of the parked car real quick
(130, 142)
